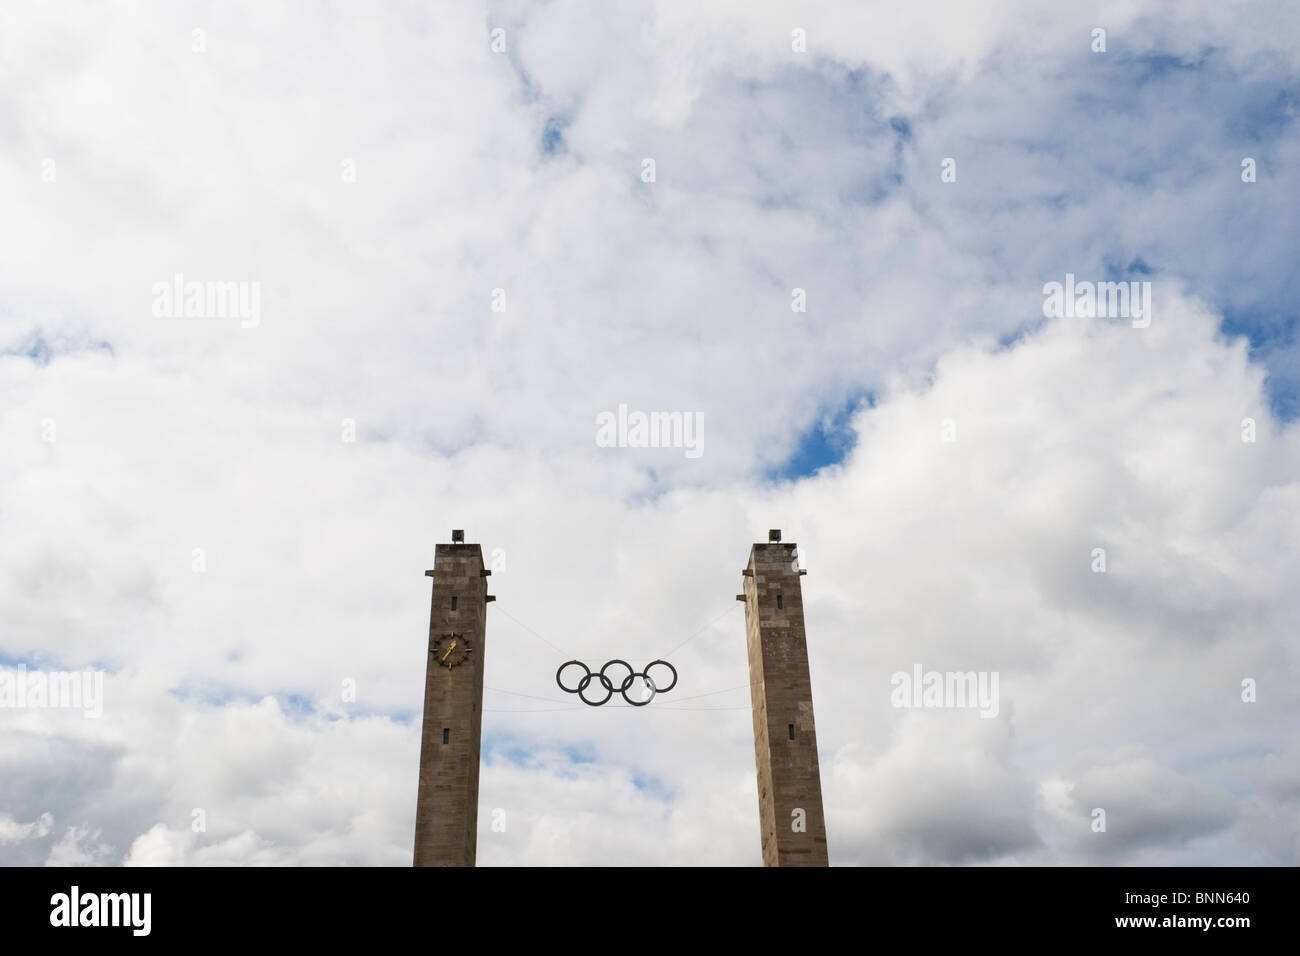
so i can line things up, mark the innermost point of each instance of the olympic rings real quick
(624, 685)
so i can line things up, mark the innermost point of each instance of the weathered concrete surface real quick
(781, 690)
(446, 814)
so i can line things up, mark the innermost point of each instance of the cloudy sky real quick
(462, 259)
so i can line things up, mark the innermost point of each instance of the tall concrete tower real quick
(446, 810)
(785, 738)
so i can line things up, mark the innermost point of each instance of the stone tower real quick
(446, 810)
(785, 738)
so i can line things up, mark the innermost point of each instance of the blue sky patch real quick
(553, 143)
(41, 351)
(827, 442)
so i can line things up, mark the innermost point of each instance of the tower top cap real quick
(774, 535)
(457, 536)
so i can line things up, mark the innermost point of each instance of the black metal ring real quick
(658, 689)
(649, 683)
(604, 682)
(626, 681)
(570, 690)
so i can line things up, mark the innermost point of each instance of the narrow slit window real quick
(446, 735)
(789, 727)
(780, 603)
(453, 602)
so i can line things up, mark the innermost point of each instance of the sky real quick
(835, 261)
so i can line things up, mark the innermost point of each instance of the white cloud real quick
(80, 846)
(11, 831)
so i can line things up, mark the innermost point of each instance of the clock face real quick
(451, 649)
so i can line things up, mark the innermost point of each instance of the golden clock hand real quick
(449, 650)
